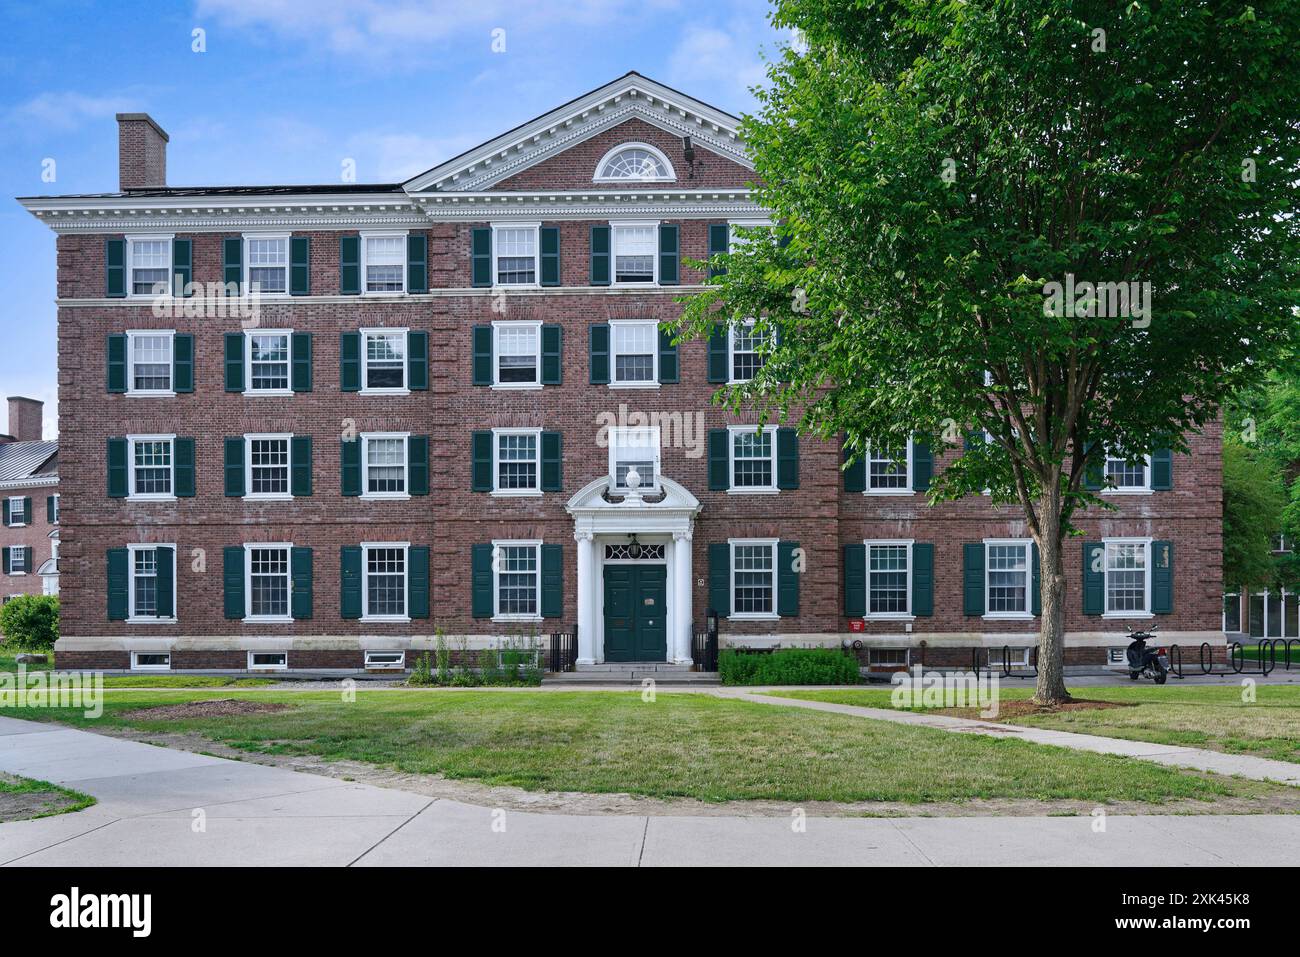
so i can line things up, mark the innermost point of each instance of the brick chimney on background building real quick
(25, 418)
(141, 152)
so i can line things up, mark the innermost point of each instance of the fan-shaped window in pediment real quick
(634, 163)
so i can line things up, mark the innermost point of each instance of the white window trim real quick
(653, 151)
(366, 494)
(131, 494)
(17, 549)
(21, 504)
(1108, 489)
(732, 489)
(1028, 613)
(136, 666)
(383, 234)
(248, 362)
(732, 224)
(496, 354)
(131, 336)
(405, 387)
(1241, 619)
(536, 545)
(131, 618)
(613, 354)
(731, 352)
(612, 438)
(906, 490)
(365, 583)
(398, 665)
(56, 512)
(169, 239)
(287, 548)
(1275, 608)
(249, 438)
(773, 615)
(614, 226)
(245, 265)
(1105, 580)
(889, 615)
(536, 227)
(496, 459)
(253, 667)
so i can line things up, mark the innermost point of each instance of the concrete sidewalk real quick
(173, 808)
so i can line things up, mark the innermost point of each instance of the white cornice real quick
(452, 292)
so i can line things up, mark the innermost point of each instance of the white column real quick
(586, 598)
(682, 592)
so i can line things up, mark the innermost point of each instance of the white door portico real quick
(599, 520)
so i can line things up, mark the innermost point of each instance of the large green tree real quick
(933, 166)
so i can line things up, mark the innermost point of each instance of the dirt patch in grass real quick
(214, 708)
(1009, 710)
(22, 799)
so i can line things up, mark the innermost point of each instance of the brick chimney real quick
(141, 152)
(25, 418)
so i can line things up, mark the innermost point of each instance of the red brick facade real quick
(34, 535)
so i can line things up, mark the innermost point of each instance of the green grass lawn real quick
(681, 745)
(1197, 716)
(22, 799)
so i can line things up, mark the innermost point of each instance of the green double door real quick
(636, 606)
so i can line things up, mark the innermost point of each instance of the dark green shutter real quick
(350, 265)
(552, 461)
(119, 582)
(49, 509)
(787, 458)
(183, 465)
(1162, 578)
(552, 581)
(182, 267)
(300, 468)
(234, 466)
(1036, 580)
(234, 362)
(550, 242)
(417, 454)
(1094, 473)
(600, 265)
(719, 460)
(720, 578)
(300, 570)
(668, 364)
(855, 476)
(787, 580)
(27, 512)
(116, 349)
(482, 349)
(417, 263)
(302, 362)
(115, 268)
(599, 353)
(481, 256)
(481, 461)
(669, 256)
(922, 579)
(232, 264)
(232, 580)
(300, 265)
(855, 580)
(350, 467)
(417, 581)
(183, 362)
(117, 470)
(1094, 579)
(1162, 469)
(8, 518)
(6, 558)
(922, 466)
(482, 604)
(350, 581)
(552, 347)
(972, 576)
(718, 353)
(165, 606)
(719, 241)
(417, 361)
(350, 361)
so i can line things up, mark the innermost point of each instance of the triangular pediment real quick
(630, 97)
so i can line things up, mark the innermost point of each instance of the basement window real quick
(268, 660)
(385, 660)
(151, 661)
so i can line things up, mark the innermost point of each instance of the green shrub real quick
(422, 674)
(789, 666)
(30, 622)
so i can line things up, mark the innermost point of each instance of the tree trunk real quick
(1051, 636)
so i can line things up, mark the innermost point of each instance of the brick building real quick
(29, 504)
(455, 412)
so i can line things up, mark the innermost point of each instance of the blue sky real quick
(288, 89)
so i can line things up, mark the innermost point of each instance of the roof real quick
(28, 463)
(166, 191)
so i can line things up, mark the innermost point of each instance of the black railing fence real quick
(704, 647)
(564, 651)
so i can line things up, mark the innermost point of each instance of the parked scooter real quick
(1144, 661)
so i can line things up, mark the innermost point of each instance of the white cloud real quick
(719, 65)
(396, 157)
(68, 111)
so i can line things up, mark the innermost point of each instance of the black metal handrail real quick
(704, 646)
(564, 651)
